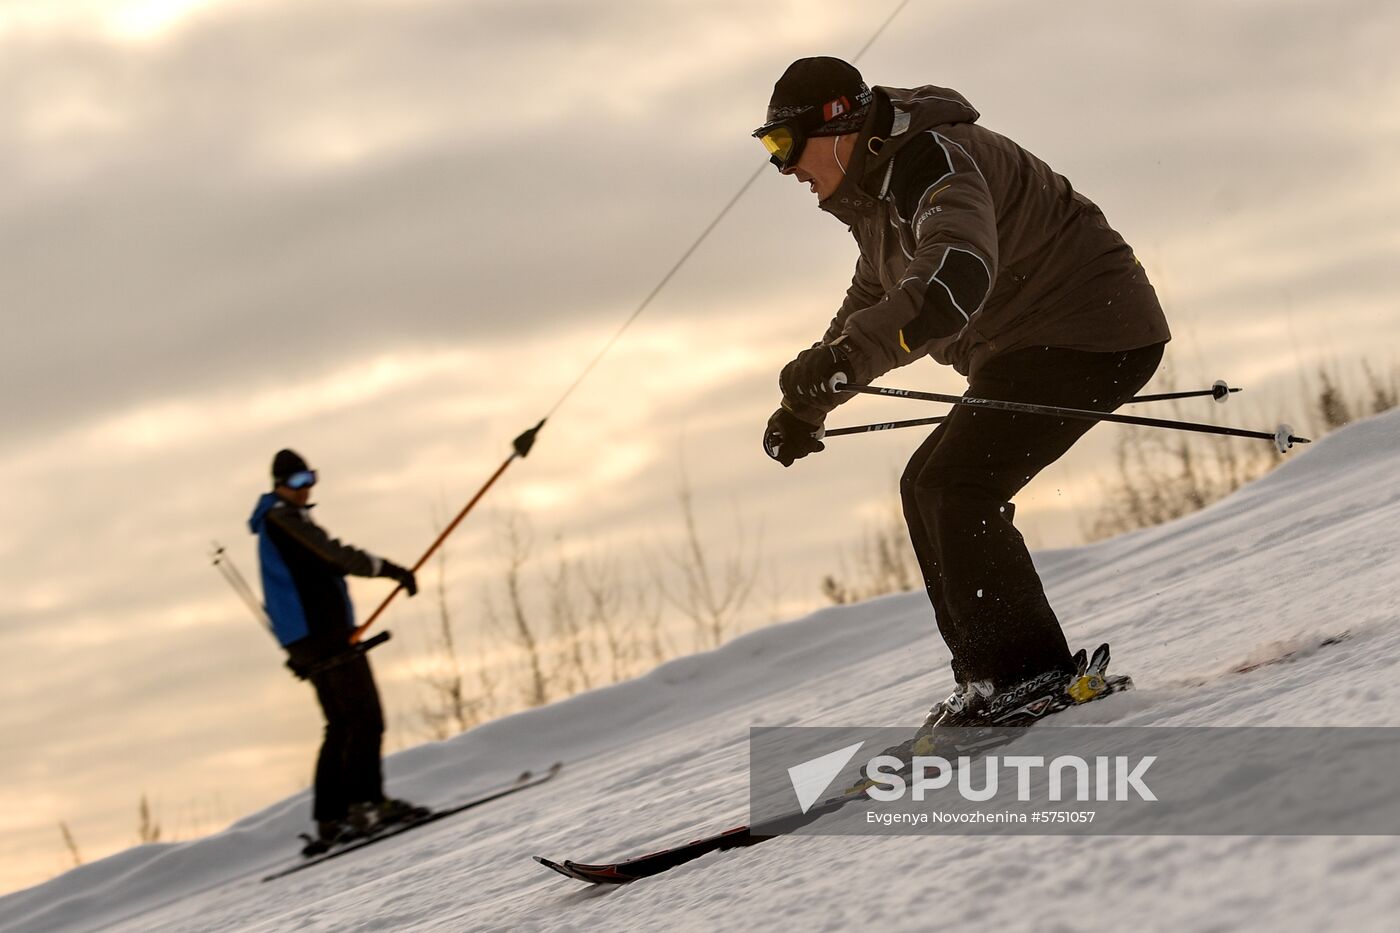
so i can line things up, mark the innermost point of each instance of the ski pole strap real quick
(1283, 438)
(358, 650)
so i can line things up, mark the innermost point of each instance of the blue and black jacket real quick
(303, 577)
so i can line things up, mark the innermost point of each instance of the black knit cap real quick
(286, 463)
(828, 83)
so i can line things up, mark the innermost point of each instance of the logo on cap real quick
(834, 108)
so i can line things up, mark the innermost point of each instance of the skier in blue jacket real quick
(303, 576)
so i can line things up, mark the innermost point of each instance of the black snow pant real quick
(348, 769)
(987, 598)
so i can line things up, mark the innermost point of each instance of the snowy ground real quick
(1311, 550)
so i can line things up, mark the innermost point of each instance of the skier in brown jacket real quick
(972, 251)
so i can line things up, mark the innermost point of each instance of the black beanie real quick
(285, 464)
(829, 83)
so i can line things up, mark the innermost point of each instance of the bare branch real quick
(70, 844)
(710, 598)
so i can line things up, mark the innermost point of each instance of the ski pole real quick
(224, 564)
(1220, 392)
(1283, 437)
(883, 426)
(520, 449)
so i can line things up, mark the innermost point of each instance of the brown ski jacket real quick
(971, 247)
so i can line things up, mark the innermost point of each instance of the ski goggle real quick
(303, 479)
(784, 142)
(784, 138)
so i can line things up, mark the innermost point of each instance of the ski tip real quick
(588, 874)
(555, 866)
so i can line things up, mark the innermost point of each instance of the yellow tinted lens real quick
(778, 142)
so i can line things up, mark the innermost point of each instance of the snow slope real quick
(1310, 550)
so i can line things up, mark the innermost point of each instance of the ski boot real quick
(332, 833)
(1031, 700)
(392, 810)
(983, 714)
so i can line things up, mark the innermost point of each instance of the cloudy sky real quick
(391, 232)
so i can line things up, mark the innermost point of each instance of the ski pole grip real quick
(371, 643)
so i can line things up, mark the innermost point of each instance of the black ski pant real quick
(987, 598)
(348, 769)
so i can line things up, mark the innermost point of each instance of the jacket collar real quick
(896, 116)
(859, 190)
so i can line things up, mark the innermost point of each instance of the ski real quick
(525, 781)
(654, 863)
(644, 866)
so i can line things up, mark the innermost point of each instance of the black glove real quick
(298, 667)
(310, 653)
(809, 376)
(402, 574)
(789, 438)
